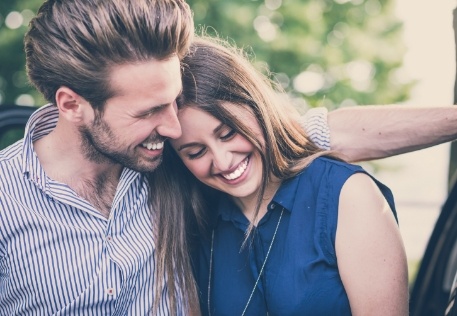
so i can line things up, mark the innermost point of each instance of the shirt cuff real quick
(315, 124)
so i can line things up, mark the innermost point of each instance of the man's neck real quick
(62, 159)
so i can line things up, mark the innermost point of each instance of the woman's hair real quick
(220, 80)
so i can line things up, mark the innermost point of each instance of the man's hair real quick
(75, 43)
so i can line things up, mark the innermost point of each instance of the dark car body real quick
(432, 285)
(430, 290)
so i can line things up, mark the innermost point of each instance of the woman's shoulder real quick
(329, 162)
(329, 169)
(332, 175)
(323, 179)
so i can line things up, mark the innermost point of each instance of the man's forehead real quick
(160, 77)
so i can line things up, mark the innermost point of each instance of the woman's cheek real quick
(197, 168)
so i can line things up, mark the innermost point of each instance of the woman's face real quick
(217, 155)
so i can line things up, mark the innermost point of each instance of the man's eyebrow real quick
(150, 110)
(166, 104)
(155, 108)
(215, 131)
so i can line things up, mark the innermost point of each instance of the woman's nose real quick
(222, 160)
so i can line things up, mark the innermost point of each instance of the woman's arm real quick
(372, 132)
(370, 253)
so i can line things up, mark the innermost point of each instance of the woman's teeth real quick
(238, 172)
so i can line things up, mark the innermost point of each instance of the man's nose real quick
(169, 125)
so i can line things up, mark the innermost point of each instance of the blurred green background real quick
(324, 52)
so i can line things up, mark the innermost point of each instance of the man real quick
(75, 220)
(75, 230)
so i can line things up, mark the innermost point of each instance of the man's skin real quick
(373, 132)
(88, 154)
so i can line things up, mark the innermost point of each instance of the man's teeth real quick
(238, 172)
(153, 146)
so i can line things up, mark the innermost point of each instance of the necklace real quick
(260, 273)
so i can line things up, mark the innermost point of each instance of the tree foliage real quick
(14, 86)
(324, 52)
(327, 52)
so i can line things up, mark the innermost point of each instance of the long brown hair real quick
(219, 79)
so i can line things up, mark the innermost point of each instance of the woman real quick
(282, 230)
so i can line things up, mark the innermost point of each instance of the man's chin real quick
(147, 166)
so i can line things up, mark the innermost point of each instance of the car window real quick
(10, 136)
(13, 119)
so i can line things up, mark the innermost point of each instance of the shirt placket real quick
(111, 274)
(124, 264)
(115, 281)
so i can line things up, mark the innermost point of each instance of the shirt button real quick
(109, 238)
(272, 206)
(110, 291)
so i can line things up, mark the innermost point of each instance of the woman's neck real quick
(248, 204)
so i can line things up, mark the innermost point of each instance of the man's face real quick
(135, 122)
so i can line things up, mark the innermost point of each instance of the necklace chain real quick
(260, 273)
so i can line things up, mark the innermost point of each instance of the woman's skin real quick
(222, 159)
(374, 277)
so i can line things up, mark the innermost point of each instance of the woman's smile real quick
(239, 171)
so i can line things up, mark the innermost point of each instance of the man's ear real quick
(70, 104)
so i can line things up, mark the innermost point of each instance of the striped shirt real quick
(58, 254)
(315, 124)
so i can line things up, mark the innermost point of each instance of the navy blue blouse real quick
(301, 274)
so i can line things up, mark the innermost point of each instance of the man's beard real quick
(98, 144)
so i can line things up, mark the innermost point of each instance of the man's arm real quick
(372, 132)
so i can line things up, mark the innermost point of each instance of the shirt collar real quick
(227, 210)
(285, 196)
(40, 123)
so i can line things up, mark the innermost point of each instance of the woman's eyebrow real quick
(188, 145)
(218, 128)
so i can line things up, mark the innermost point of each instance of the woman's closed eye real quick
(197, 151)
(227, 134)
(194, 154)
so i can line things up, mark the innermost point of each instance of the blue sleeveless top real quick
(301, 274)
